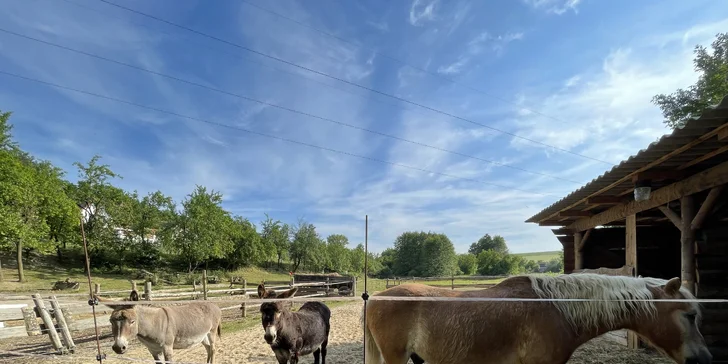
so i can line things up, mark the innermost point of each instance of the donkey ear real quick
(261, 291)
(134, 296)
(673, 286)
(289, 293)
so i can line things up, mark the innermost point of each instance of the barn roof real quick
(700, 143)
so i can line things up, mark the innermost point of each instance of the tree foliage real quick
(468, 263)
(710, 88)
(497, 243)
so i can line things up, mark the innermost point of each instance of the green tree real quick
(357, 259)
(275, 237)
(437, 257)
(202, 231)
(306, 247)
(710, 88)
(468, 263)
(247, 245)
(338, 253)
(497, 243)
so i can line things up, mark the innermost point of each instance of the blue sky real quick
(577, 75)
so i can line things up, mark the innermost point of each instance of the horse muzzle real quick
(703, 357)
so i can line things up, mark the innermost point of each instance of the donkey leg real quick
(209, 343)
(157, 357)
(316, 356)
(168, 354)
(323, 351)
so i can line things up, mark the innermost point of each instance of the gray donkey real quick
(292, 334)
(163, 329)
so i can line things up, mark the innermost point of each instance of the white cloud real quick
(476, 46)
(422, 11)
(554, 6)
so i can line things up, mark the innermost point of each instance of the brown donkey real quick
(163, 329)
(449, 332)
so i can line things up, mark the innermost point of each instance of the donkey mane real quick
(586, 315)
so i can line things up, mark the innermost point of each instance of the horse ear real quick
(289, 293)
(673, 286)
(261, 291)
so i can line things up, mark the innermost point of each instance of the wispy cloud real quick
(422, 11)
(554, 6)
(476, 46)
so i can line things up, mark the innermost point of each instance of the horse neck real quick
(148, 320)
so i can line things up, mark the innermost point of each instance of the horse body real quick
(164, 329)
(447, 332)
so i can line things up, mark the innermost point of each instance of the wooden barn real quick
(663, 211)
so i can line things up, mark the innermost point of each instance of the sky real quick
(456, 117)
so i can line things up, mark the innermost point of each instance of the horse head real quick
(674, 329)
(123, 322)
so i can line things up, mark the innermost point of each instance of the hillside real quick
(544, 256)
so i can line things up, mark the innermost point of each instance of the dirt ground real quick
(248, 346)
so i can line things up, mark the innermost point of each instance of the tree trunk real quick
(21, 276)
(2, 275)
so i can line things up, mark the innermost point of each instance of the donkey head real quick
(123, 323)
(270, 293)
(675, 326)
(271, 311)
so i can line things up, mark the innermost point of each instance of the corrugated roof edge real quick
(562, 202)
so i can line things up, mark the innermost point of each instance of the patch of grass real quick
(536, 256)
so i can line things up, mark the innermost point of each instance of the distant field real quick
(536, 256)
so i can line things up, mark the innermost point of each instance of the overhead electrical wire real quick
(290, 63)
(250, 99)
(395, 164)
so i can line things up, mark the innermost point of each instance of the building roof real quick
(700, 143)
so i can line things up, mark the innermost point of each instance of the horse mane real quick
(592, 315)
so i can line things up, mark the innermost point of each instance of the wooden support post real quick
(97, 289)
(353, 287)
(134, 286)
(387, 283)
(631, 260)
(672, 216)
(31, 321)
(204, 284)
(328, 285)
(48, 322)
(292, 282)
(578, 253)
(244, 309)
(706, 208)
(245, 285)
(687, 243)
(61, 320)
(452, 283)
(147, 291)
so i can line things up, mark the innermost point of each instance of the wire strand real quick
(348, 82)
(405, 63)
(395, 164)
(281, 107)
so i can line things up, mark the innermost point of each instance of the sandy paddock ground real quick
(248, 346)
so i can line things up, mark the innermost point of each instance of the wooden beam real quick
(658, 175)
(578, 253)
(687, 243)
(562, 231)
(566, 239)
(606, 200)
(553, 223)
(575, 213)
(723, 134)
(715, 176)
(630, 259)
(721, 129)
(704, 157)
(706, 207)
(672, 216)
(585, 237)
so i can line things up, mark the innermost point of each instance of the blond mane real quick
(592, 315)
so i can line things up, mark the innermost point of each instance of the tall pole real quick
(365, 295)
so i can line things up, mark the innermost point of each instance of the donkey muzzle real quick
(118, 349)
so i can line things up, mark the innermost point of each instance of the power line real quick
(395, 164)
(393, 58)
(348, 82)
(250, 99)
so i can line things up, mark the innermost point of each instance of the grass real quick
(536, 256)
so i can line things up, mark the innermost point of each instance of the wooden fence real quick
(392, 282)
(19, 314)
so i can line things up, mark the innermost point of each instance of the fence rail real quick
(396, 281)
(21, 312)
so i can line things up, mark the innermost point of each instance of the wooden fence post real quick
(48, 322)
(97, 288)
(147, 291)
(65, 332)
(133, 286)
(453, 283)
(245, 286)
(204, 284)
(244, 308)
(292, 282)
(31, 321)
(353, 290)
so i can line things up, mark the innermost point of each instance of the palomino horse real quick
(530, 332)
(163, 329)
